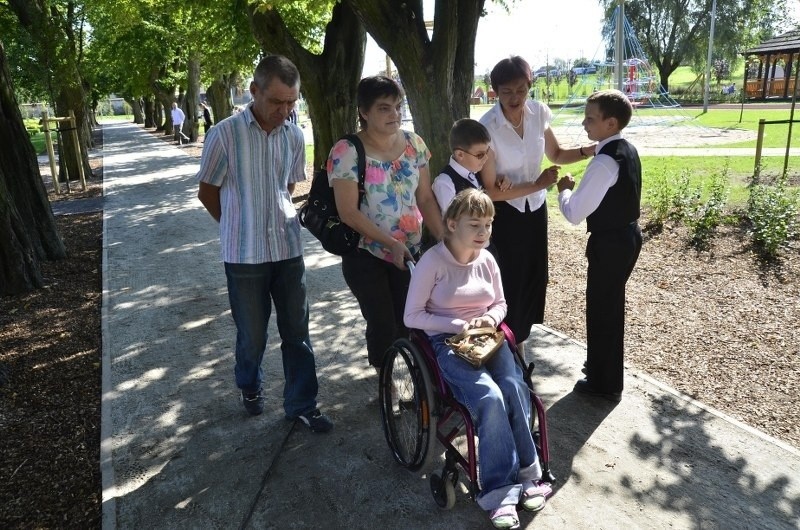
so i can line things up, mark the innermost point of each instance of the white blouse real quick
(520, 159)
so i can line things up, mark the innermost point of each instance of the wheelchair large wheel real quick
(407, 405)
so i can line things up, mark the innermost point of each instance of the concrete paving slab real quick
(178, 450)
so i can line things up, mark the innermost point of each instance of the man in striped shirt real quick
(248, 170)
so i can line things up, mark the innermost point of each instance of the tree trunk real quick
(191, 127)
(437, 74)
(164, 99)
(136, 108)
(328, 81)
(219, 96)
(150, 112)
(27, 228)
(164, 96)
(72, 97)
(664, 71)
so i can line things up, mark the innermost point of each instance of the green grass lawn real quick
(775, 135)
(39, 144)
(700, 171)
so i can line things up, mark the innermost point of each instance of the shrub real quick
(660, 201)
(706, 217)
(684, 198)
(773, 212)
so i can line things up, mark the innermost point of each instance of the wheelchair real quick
(418, 410)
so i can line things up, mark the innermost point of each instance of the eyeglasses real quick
(479, 156)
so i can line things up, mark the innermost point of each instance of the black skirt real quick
(521, 242)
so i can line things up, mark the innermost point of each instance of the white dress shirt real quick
(177, 116)
(600, 175)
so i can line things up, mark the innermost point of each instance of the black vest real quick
(620, 206)
(459, 182)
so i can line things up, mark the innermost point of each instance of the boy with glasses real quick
(469, 144)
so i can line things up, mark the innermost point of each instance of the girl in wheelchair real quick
(456, 286)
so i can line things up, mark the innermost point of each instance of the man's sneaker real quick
(253, 402)
(316, 421)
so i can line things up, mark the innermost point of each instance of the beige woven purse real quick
(478, 345)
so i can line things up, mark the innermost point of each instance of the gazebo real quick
(770, 67)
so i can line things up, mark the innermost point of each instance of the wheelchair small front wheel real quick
(443, 488)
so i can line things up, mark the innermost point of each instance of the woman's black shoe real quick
(584, 387)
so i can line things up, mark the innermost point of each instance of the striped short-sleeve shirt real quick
(253, 169)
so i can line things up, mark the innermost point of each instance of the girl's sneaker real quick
(505, 517)
(534, 495)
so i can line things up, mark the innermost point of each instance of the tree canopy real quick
(675, 32)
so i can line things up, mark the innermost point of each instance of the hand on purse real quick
(484, 321)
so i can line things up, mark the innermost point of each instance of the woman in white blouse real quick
(521, 136)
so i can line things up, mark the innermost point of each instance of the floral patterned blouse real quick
(390, 199)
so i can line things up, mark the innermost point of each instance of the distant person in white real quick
(178, 117)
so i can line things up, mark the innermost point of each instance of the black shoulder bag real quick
(319, 215)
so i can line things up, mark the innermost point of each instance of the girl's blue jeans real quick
(499, 401)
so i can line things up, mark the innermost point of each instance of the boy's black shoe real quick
(584, 387)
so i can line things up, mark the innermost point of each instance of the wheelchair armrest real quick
(512, 342)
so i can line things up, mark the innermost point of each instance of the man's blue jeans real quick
(250, 289)
(498, 399)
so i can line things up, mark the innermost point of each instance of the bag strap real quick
(361, 156)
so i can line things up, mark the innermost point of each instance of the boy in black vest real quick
(608, 197)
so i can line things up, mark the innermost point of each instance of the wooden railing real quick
(753, 88)
(775, 88)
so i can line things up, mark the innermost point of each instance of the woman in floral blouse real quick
(389, 217)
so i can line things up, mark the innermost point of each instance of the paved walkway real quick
(178, 451)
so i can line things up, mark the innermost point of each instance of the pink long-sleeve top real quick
(445, 294)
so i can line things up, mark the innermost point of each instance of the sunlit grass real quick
(775, 135)
(700, 171)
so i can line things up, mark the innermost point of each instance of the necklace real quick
(521, 119)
